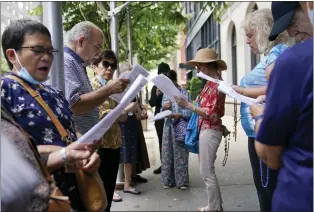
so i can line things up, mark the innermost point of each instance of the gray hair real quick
(83, 28)
(261, 23)
(125, 67)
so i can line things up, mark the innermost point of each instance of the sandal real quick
(206, 208)
(116, 197)
(132, 190)
(184, 187)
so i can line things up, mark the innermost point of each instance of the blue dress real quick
(130, 140)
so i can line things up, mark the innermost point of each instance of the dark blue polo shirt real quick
(288, 122)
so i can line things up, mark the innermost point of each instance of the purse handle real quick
(63, 133)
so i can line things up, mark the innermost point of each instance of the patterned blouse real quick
(176, 109)
(113, 137)
(213, 102)
(29, 114)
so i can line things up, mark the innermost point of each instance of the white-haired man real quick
(285, 129)
(85, 41)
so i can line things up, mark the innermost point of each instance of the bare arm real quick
(251, 92)
(74, 152)
(95, 98)
(91, 100)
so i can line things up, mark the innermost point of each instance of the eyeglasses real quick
(40, 50)
(106, 64)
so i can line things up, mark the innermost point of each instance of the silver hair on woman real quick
(260, 22)
(81, 29)
(124, 68)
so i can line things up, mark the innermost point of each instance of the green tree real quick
(154, 25)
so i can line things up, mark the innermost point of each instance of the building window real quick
(21, 16)
(234, 56)
(255, 59)
(20, 5)
(8, 8)
(210, 35)
(26, 7)
(13, 12)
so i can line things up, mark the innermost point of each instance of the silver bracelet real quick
(63, 156)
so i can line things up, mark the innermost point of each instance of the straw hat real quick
(207, 56)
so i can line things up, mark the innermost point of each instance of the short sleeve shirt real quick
(288, 122)
(213, 102)
(76, 84)
(29, 114)
(257, 78)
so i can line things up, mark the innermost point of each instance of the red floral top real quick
(213, 102)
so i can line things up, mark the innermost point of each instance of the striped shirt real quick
(76, 84)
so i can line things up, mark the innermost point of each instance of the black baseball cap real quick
(283, 12)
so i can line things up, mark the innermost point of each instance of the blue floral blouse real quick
(175, 108)
(31, 116)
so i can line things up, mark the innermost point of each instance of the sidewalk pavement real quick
(235, 180)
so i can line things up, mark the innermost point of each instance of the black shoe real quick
(139, 179)
(157, 171)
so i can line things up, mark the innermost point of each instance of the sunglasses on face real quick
(106, 65)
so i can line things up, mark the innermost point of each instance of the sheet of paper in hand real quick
(164, 84)
(162, 115)
(204, 76)
(98, 131)
(132, 75)
(232, 93)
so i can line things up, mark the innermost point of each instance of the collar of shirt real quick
(76, 56)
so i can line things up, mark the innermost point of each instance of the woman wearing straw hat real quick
(211, 108)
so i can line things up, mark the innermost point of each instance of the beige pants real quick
(209, 141)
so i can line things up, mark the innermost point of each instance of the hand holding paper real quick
(164, 84)
(98, 131)
(162, 115)
(131, 76)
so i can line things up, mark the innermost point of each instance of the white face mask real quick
(309, 12)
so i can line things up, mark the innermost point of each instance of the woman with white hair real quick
(257, 27)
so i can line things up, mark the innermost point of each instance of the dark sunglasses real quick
(106, 64)
(40, 50)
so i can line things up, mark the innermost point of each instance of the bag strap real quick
(63, 133)
(5, 115)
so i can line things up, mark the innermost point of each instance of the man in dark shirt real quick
(155, 101)
(285, 135)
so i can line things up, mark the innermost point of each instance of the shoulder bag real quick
(91, 188)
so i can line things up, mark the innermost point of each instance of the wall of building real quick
(17, 10)
(233, 17)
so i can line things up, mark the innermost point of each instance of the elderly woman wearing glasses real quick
(29, 53)
(104, 66)
(211, 108)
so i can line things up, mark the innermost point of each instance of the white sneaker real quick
(184, 187)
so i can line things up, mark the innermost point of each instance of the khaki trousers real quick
(209, 141)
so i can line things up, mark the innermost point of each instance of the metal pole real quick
(52, 19)
(114, 47)
(114, 33)
(128, 23)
